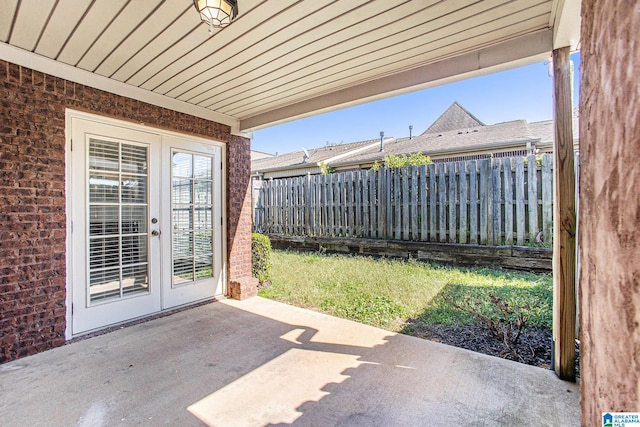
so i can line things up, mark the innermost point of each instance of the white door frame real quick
(69, 187)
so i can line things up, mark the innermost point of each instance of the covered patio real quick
(150, 69)
(258, 362)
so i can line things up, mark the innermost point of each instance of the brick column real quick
(241, 284)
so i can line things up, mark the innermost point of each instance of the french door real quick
(146, 222)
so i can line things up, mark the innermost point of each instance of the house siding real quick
(32, 197)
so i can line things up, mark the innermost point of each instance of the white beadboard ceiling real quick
(280, 59)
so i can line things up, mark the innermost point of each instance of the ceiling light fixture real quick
(216, 13)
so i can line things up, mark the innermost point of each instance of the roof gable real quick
(454, 118)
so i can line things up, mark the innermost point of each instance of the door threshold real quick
(143, 319)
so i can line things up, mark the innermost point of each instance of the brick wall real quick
(239, 207)
(32, 197)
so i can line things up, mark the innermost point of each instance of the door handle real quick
(155, 233)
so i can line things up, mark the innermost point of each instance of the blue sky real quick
(520, 93)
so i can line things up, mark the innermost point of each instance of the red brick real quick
(32, 197)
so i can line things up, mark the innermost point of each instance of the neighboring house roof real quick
(456, 117)
(455, 131)
(255, 155)
(298, 159)
(477, 138)
(543, 130)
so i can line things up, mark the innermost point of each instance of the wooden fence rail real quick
(500, 201)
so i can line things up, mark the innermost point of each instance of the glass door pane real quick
(118, 206)
(191, 216)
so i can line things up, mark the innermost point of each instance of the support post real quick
(564, 222)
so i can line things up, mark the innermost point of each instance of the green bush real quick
(261, 257)
(392, 161)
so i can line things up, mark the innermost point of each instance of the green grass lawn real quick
(388, 293)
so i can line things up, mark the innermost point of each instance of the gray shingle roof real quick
(516, 132)
(456, 117)
(455, 131)
(316, 155)
(543, 130)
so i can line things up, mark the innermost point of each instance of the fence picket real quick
(520, 195)
(532, 199)
(406, 200)
(382, 204)
(508, 201)
(473, 202)
(496, 201)
(442, 196)
(358, 192)
(463, 202)
(484, 191)
(396, 221)
(432, 203)
(364, 227)
(413, 199)
(453, 188)
(547, 198)
(373, 204)
(424, 212)
(330, 206)
(317, 179)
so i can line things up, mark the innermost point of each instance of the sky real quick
(519, 93)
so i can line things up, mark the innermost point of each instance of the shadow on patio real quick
(258, 362)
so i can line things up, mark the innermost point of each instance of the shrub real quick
(261, 257)
(392, 161)
(506, 323)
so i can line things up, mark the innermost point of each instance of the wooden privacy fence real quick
(490, 202)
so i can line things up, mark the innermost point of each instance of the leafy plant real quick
(261, 258)
(392, 161)
(506, 322)
(325, 169)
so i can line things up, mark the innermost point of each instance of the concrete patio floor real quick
(259, 362)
